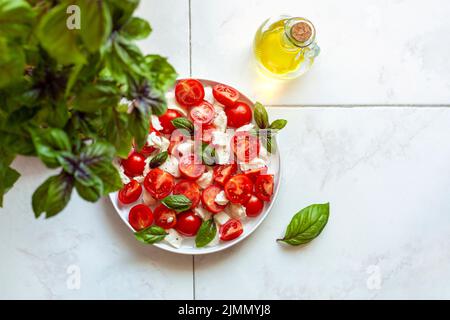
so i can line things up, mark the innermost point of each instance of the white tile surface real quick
(373, 52)
(36, 254)
(385, 173)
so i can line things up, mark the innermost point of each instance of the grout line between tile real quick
(190, 75)
(358, 105)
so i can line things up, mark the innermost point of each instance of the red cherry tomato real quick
(264, 187)
(190, 189)
(245, 146)
(159, 183)
(204, 132)
(209, 197)
(146, 149)
(164, 217)
(239, 189)
(140, 217)
(202, 113)
(254, 206)
(176, 138)
(254, 173)
(238, 115)
(166, 120)
(189, 92)
(188, 223)
(231, 230)
(225, 95)
(191, 167)
(130, 192)
(223, 173)
(134, 165)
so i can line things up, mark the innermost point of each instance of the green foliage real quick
(61, 90)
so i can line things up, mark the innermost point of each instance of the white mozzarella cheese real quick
(209, 95)
(171, 166)
(139, 179)
(174, 238)
(205, 179)
(223, 154)
(155, 123)
(219, 138)
(237, 211)
(153, 140)
(148, 199)
(184, 148)
(220, 121)
(246, 127)
(221, 218)
(255, 163)
(202, 213)
(221, 199)
(165, 143)
(125, 179)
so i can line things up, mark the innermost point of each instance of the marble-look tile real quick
(373, 52)
(385, 173)
(169, 20)
(90, 238)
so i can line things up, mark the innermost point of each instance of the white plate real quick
(250, 224)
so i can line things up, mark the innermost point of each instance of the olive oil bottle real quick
(285, 47)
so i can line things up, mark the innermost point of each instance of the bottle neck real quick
(298, 33)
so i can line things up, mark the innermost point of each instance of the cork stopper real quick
(301, 31)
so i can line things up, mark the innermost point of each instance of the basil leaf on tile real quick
(158, 160)
(260, 115)
(183, 123)
(177, 202)
(206, 233)
(306, 224)
(151, 235)
(278, 124)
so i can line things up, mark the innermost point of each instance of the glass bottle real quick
(285, 47)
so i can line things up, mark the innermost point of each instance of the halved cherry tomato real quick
(130, 192)
(254, 173)
(134, 165)
(146, 149)
(207, 131)
(176, 138)
(254, 206)
(245, 146)
(224, 172)
(225, 95)
(190, 189)
(203, 113)
(159, 183)
(239, 189)
(188, 223)
(166, 120)
(209, 197)
(189, 92)
(231, 230)
(264, 187)
(238, 115)
(164, 217)
(191, 167)
(140, 217)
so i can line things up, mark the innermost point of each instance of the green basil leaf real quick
(260, 115)
(307, 224)
(95, 23)
(115, 124)
(53, 195)
(183, 124)
(136, 29)
(109, 175)
(278, 124)
(90, 189)
(158, 159)
(160, 72)
(206, 233)
(12, 63)
(177, 202)
(208, 154)
(9, 177)
(60, 42)
(93, 98)
(49, 143)
(123, 58)
(151, 235)
(16, 18)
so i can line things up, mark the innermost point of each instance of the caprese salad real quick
(203, 170)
